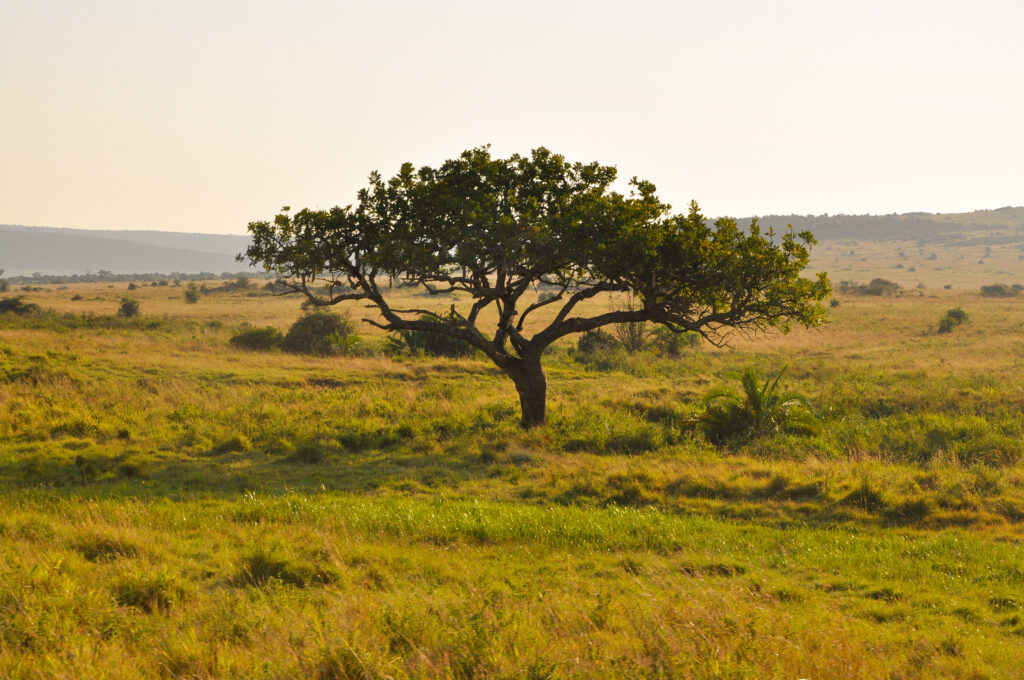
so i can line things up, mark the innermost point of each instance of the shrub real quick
(426, 342)
(760, 409)
(323, 333)
(672, 344)
(953, 318)
(17, 305)
(258, 339)
(1000, 290)
(192, 293)
(876, 287)
(129, 308)
(631, 334)
(595, 342)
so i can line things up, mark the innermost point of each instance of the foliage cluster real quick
(322, 333)
(17, 305)
(129, 308)
(1001, 290)
(428, 343)
(951, 319)
(495, 229)
(877, 286)
(599, 348)
(192, 293)
(264, 339)
(759, 409)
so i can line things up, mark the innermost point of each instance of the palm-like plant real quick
(759, 409)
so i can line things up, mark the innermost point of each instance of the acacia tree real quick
(497, 228)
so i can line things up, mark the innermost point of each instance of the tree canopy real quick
(497, 228)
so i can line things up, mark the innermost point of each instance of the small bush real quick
(672, 344)
(426, 342)
(258, 339)
(1000, 290)
(192, 293)
(596, 342)
(758, 409)
(17, 305)
(632, 334)
(129, 308)
(876, 287)
(322, 333)
(953, 318)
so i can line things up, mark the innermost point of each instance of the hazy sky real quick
(203, 116)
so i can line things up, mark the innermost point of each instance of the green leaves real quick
(758, 409)
(496, 228)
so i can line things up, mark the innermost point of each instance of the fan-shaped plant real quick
(760, 408)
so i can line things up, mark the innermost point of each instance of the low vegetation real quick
(323, 333)
(170, 507)
(1001, 290)
(875, 287)
(951, 319)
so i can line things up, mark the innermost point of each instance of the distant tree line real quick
(909, 226)
(106, 276)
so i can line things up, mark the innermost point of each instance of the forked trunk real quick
(532, 385)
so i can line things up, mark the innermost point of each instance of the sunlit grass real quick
(173, 506)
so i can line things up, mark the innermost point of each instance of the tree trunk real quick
(532, 385)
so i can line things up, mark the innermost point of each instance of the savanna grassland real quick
(172, 506)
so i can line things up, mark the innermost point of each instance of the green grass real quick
(171, 506)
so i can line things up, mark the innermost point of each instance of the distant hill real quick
(925, 227)
(47, 250)
(52, 251)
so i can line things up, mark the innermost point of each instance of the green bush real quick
(192, 293)
(17, 305)
(953, 318)
(323, 333)
(258, 339)
(672, 344)
(633, 335)
(596, 342)
(1000, 290)
(759, 409)
(129, 308)
(426, 342)
(875, 287)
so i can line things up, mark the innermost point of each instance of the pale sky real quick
(202, 116)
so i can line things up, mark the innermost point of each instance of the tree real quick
(129, 308)
(192, 293)
(497, 228)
